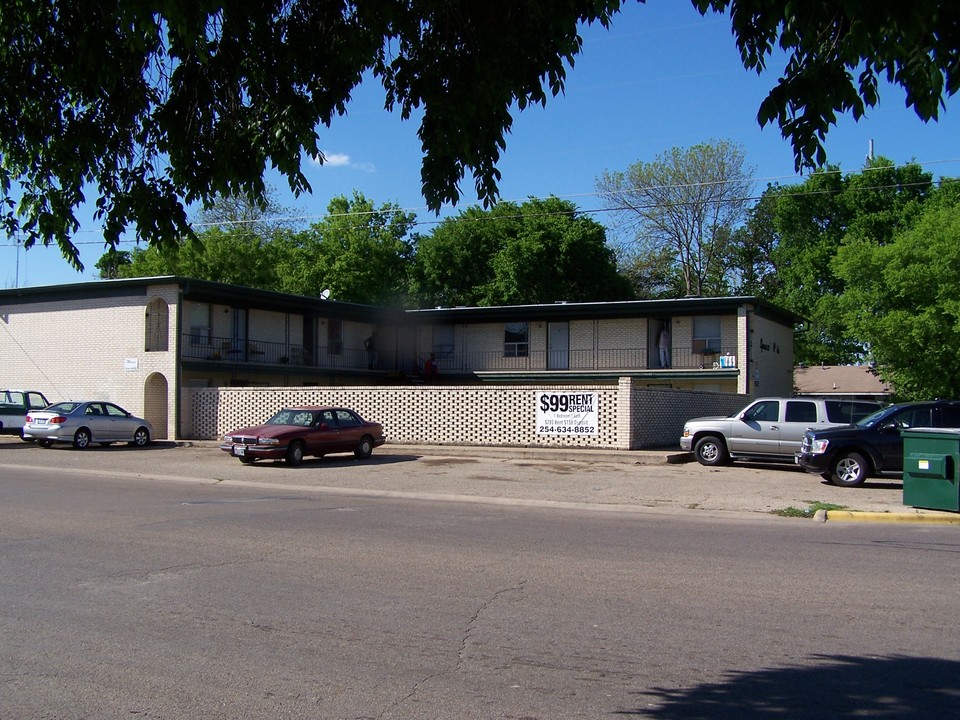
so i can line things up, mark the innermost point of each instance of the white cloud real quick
(343, 160)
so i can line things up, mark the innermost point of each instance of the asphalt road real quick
(173, 582)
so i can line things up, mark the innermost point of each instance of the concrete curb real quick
(902, 517)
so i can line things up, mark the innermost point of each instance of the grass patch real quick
(809, 512)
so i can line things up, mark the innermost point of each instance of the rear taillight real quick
(29, 419)
(58, 420)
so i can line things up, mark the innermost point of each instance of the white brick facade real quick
(162, 347)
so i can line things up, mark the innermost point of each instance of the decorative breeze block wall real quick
(629, 417)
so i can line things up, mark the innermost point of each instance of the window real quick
(849, 411)
(706, 335)
(766, 411)
(199, 324)
(801, 411)
(345, 418)
(156, 326)
(442, 341)
(334, 336)
(914, 417)
(516, 340)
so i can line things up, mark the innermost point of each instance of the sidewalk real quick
(746, 490)
(664, 481)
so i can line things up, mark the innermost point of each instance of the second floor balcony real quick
(339, 357)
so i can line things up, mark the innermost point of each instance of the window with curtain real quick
(516, 340)
(706, 335)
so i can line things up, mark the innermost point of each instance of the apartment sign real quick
(567, 413)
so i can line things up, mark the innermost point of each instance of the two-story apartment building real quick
(144, 343)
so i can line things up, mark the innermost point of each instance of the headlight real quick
(686, 433)
(228, 438)
(267, 441)
(818, 447)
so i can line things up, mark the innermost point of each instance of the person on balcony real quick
(663, 344)
(430, 369)
(370, 344)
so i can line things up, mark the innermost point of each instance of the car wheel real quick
(711, 450)
(141, 437)
(364, 448)
(45, 443)
(247, 460)
(849, 470)
(81, 439)
(294, 454)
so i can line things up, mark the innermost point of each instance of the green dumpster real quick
(931, 463)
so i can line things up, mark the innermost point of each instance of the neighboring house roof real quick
(839, 380)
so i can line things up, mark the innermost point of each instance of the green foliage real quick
(801, 229)
(112, 263)
(357, 252)
(539, 252)
(686, 202)
(152, 106)
(903, 299)
(808, 512)
(652, 274)
(145, 108)
(837, 53)
(228, 256)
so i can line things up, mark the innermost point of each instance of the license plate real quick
(38, 421)
(239, 450)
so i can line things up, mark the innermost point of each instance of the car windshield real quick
(878, 416)
(298, 418)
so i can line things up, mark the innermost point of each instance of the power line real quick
(579, 211)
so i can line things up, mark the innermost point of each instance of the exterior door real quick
(558, 346)
(758, 429)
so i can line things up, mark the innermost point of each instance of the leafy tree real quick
(652, 274)
(687, 201)
(227, 256)
(152, 107)
(540, 251)
(240, 245)
(555, 255)
(357, 252)
(453, 265)
(810, 223)
(112, 263)
(903, 299)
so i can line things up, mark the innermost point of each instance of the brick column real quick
(625, 434)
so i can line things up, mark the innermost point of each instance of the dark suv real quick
(850, 454)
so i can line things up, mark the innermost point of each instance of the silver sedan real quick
(83, 423)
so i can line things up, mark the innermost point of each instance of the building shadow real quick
(837, 686)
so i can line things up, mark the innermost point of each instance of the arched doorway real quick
(155, 404)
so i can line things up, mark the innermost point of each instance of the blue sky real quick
(661, 77)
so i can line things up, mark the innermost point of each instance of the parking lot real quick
(628, 481)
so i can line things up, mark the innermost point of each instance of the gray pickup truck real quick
(768, 428)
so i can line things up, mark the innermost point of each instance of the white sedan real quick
(82, 423)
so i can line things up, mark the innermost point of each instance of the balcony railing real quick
(338, 357)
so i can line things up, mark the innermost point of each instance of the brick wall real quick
(630, 417)
(90, 349)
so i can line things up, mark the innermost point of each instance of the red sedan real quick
(298, 431)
